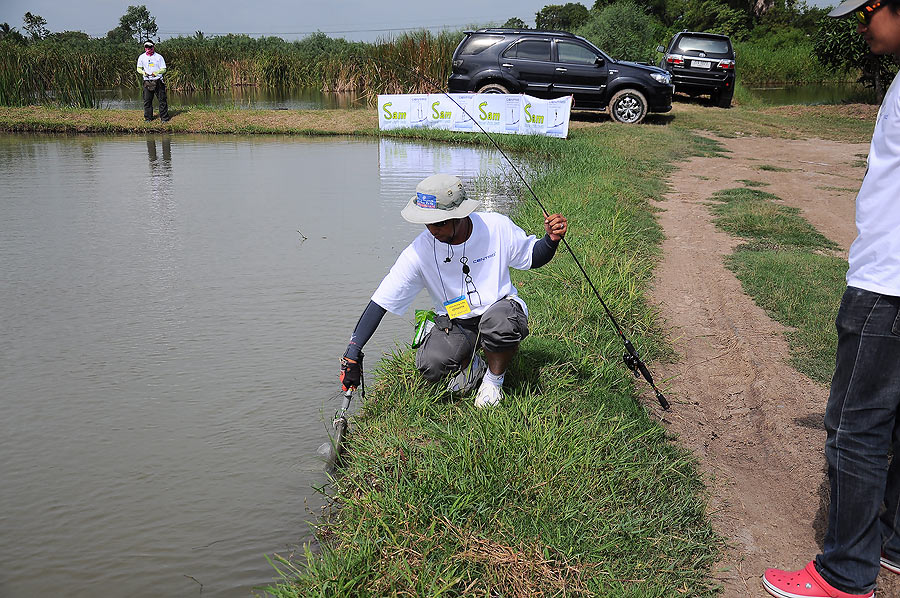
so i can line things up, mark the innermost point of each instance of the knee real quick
(503, 328)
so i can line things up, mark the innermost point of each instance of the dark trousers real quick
(862, 425)
(160, 94)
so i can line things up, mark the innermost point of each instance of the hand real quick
(556, 226)
(351, 374)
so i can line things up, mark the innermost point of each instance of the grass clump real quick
(789, 269)
(752, 214)
(568, 488)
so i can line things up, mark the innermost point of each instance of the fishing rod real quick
(631, 358)
(330, 451)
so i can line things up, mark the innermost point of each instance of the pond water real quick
(172, 313)
(831, 93)
(250, 98)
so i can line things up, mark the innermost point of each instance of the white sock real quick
(495, 379)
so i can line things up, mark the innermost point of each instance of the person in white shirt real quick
(463, 260)
(152, 67)
(861, 419)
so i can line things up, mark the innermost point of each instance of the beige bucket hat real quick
(439, 197)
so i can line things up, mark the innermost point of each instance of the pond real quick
(172, 313)
(828, 93)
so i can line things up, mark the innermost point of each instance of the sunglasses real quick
(864, 15)
(439, 224)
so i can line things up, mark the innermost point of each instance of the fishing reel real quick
(632, 362)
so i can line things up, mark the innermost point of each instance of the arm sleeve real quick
(543, 251)
(364, 330)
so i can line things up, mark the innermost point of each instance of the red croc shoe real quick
(805, 583)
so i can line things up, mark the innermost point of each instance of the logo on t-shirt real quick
(487, 257)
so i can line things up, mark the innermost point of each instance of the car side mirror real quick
(599, 61)
(660, 49)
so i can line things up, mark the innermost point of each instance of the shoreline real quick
(45, 119)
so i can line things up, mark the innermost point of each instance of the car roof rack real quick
(516, 30)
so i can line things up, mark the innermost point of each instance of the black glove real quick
(351, 373)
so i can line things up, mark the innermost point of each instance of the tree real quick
(36, 26)
(565, 17)
(839, 46)
(11, 34)
(624, 30)
(515, 23)
(713, 16)
(137, 23)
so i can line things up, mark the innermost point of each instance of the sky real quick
(361, 20)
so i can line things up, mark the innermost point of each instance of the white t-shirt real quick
(875, 254)
(495, 245)
(151, 64)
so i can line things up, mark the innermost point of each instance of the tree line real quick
(625, 29)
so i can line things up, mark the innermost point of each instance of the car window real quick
(479, 43)
(530, 49)
(703, 44)
(575, 53)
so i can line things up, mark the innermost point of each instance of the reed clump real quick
(48, 72)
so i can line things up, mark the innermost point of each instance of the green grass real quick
(789, 269)
(568, 488)
(801, 290)
(751, 183)
(752, 214)
(772, 168)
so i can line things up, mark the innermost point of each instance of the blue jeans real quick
(861, 421)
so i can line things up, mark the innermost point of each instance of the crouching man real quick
(463, 259)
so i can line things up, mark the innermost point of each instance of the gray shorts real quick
(502, 326)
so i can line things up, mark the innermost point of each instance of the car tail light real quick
(675, 60)
(726, 64)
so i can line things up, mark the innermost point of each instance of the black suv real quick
(551, 64)
(701, 63)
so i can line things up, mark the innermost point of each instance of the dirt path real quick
(754, 422)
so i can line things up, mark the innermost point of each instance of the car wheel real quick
(628, 106)
(493, 88)
(723, 99)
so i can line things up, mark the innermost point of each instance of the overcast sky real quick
(364, 20)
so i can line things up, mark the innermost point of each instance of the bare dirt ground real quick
(755, 423)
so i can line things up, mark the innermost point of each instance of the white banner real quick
(496, 113)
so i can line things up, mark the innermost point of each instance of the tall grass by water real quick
(50, 73)
(759, 63)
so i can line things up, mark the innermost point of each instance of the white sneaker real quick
(488, 395)
(470, 375)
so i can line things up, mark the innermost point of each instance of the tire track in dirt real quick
(754, 422)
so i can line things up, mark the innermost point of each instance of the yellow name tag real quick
(457, 307)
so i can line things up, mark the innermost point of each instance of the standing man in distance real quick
(463, 259)
(862, 413)
(152, 67)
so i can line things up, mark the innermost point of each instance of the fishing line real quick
(631, 358)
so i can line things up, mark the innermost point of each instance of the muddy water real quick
(171, 316)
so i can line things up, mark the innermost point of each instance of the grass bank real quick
(567, 488)
(790, 269)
